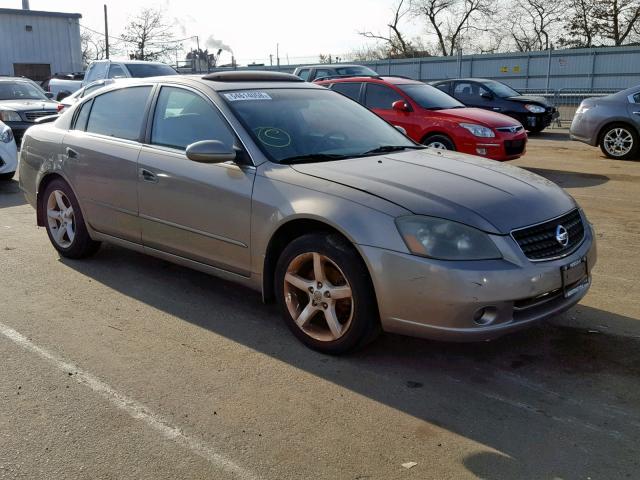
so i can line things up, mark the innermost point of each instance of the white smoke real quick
(215, 44)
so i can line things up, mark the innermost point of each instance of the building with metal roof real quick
(37, 44)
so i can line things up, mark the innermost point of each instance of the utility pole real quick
(278, 55)
(271, 59)
(106, 32)
(198, 52)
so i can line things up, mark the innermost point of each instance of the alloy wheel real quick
(318, 296)
(618, 142)
(61, 219)
(437, 145)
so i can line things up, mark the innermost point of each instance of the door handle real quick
(148, 176)
(71, 153)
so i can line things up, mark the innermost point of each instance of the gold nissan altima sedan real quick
(310, 198)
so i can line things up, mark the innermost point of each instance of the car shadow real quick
(10, 194)
(550, 134)
(545, 399)
(567, 179)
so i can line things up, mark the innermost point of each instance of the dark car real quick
(22, 103)
(325, 71)
(535, 113)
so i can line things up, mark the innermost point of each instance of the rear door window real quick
(466, 91)
(322, 72)
(96, 71)
(380, 97)
(119, 113)
(304, 74)
(116, 71)
(348, 89)
(183, 117)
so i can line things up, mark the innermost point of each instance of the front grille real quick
(513, 147)
(36, 114)
(514, 129)
(538, 242)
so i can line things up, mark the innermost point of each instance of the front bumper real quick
(502, 147)
(8, 157)
(439, 300)
(18, 129)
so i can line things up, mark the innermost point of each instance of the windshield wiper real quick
(314, 157)
(393, 148)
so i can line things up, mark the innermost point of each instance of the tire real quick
(350, 300)
(7, 176)
(439, 141)
(628, 147)
(58, 197)
(536, 130)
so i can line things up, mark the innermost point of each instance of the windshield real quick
(142, 70)
(500, 89)
(429, 97)
(20, 91)
(355, 71)
(296, 125)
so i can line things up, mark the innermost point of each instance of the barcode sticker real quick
(238, 96)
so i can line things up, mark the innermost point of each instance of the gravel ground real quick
(125, 366)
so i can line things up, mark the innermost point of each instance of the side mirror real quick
(48, 94)
(210, 151)
(487, 95)
(400, 129)
(401, 106)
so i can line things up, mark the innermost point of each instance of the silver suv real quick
(313, 200)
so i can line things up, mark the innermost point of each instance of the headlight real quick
(581, 109)
(445, 240)
(6, 136)
(478, 130)
(9, 116)
(535, 108)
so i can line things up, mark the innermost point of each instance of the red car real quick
(435, 119)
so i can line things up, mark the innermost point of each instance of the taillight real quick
(60, 106)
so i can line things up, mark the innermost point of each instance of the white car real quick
(78, 95)
(8, 153)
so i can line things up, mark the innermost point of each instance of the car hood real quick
(28, 105)
(478, 115)
(488, 195)
(531, 99)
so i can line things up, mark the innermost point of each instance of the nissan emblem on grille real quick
(562, 235)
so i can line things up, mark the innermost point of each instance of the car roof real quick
(380, 79)
(129, 62)
(465, 79)
(333, 65)
(223, 82)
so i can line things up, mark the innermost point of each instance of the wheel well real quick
(433, 134)
(279, 241)
(42, 186)
(611, 124)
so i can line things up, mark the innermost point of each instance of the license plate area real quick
(575, 277)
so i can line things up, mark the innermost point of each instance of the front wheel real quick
(325, 294)
(619, 142)
(64, 222)
(439, 142)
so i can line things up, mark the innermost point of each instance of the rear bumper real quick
(439, 300)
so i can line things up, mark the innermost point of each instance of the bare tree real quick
(149, 34)
(396, 43)
(451, 19)
(582, 28)
(93, 47)
(535, 23)
(617, 20)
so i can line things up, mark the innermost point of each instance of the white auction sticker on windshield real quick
(237, 96)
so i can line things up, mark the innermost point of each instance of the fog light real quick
(481, 151)
(485, 315)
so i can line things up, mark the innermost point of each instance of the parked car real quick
(310, 198)
(310, 73)
(22, 103)
(434, 118)
(611, 122)
(83, 92)
(62, 85)
(8, 153)
(534, 112)
(101, 69)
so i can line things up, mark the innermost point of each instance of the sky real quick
(251, 28)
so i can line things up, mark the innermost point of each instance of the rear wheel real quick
(439, 142)
(619, 141)
(325, 294)
(64, 222)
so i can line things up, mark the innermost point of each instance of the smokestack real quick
(25, 4)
